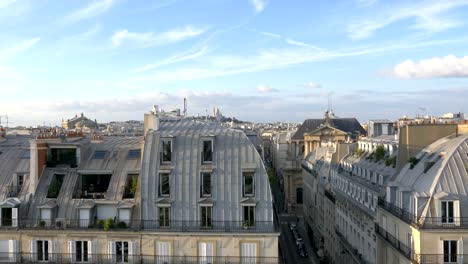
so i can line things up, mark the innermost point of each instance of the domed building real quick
(80, 122)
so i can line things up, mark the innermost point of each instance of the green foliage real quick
(271, 176)
(42, 223)
(54, 187)
(131, 187)
(391, 161)
(108, 224)
(413, 161)
(100, 223)
(360, 152)
(121, 225)
(379, 153)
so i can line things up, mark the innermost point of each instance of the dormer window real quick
(134, 154)
(99, 154)
(207, 152)
(248, 186)
(166, 155)
(205, 184)
(447, 211)
(164, 186)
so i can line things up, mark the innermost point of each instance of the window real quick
(166, 151)
(249, 216)
(81, 251)
(164, 216)
(249, 253)
(248, 184)
(299, 196)
(447, 211)
(206, 216)
(41, 250)
(9, 216)
(121, 251)
(20, 180)
(163, 252)
(164, 186)
(206, 253)
(26, 154)
(99, 154)
(450, 251)
(134, 154)
(205, 184)
(207, 154)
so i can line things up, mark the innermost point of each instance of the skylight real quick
(99, 154)
(134, 154)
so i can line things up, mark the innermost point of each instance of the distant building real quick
(80, 122)
(380, 127)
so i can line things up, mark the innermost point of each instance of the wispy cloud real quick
(428, 15)
(93, 9)
(311, 85)
(266, 89)
(297, 43)
(259, 5)
(446, 67)
(270, 59)
(271, 34)
(18, 48)
(149, 39)
(185, 56)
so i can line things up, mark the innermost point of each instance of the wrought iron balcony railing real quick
(146, 225)
(127, 258)
(397, 244)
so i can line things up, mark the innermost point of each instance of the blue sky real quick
(258, 60)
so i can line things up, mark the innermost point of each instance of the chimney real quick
(151, 120)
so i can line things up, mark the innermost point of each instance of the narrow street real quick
(287, 242)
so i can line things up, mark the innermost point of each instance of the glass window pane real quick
(206, 184)
(164, 184)
(207, 151)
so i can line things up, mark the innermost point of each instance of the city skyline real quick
(257, 60)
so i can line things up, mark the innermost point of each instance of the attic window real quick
(26, 154)
(134, 154)
(99, 154)
(428, 165)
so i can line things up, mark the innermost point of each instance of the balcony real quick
(396, 244)
(309, 168)
(399, 212)
(149, 225)
(107, 258)
(353, 251)
(424, 222)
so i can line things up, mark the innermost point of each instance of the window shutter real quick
(441, 247)
(14, 216)
(91, 251)
(33, 249)
(460, 250)
(132, 251)
(439, 214)
(12, 250)
(456, 212)
(1, 216)
(72, 250)
(51, 250)
(112, 251)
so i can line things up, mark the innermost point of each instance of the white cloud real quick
(93, 9)
(271, 34)
(149, 39)
(18, 48)
(266, 89)
(185, 56)
(6, 3)
(311, 85)
(446, 67)
(428, 16)
(259, 5)
(296, 43)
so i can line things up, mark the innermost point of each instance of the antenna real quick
(185, 107)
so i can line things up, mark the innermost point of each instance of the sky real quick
(257, 60)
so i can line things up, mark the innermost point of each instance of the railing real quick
(424, 222)
(441, 258)
(399, 212)
(149, 225)
(118, 258)
(353, 251)
(309, 168)
(397, 244)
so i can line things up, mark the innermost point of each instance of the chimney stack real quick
(151, 120)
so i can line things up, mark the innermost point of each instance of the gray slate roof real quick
(349, 125)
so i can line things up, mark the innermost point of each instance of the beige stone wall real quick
(463, 129)
(183, 244)
(413, 138)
